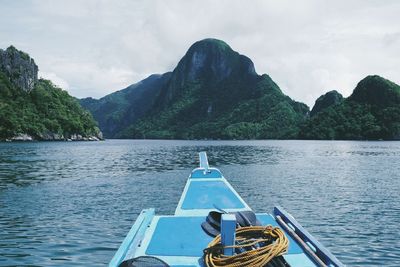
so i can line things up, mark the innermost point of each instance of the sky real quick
(95, 47)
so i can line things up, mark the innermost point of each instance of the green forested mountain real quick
(35, 108)
(120, 109)
(371, 112)
(214, 92)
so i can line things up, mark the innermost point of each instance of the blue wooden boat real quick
(179, 240)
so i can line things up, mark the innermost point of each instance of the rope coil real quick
(258, 245)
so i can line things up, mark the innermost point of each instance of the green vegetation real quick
(372, 112)
(226, 114)
(323, 102)
(43, 111)
(22, 54)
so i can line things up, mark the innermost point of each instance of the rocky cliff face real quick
(212, 59)
(207, 62)
(19, 67)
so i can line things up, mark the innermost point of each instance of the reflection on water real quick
(71, 204)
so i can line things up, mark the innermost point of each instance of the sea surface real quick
(72, 203)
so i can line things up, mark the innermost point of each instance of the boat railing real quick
(307, 241)
(134, 236)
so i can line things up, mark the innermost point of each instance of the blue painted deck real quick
(207, 195)
(181, 235)
(179, 239)
(184, 236)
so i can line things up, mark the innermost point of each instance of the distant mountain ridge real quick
(120, 109)
(214, 92)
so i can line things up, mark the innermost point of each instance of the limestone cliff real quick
(19, 68)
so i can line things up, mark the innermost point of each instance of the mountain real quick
(376, 91)
(35, 109)
(214, 92)
(120, 109)
(371, 112)
(325, 101)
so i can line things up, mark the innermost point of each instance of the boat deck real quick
(179, 239)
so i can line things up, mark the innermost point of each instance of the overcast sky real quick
(92, 48)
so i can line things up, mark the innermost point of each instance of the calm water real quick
(71, 204)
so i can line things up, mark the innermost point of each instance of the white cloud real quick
(56, 80)
(307, 47)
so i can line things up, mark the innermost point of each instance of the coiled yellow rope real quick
(248, 237)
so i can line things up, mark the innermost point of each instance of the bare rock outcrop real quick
(19, 67)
